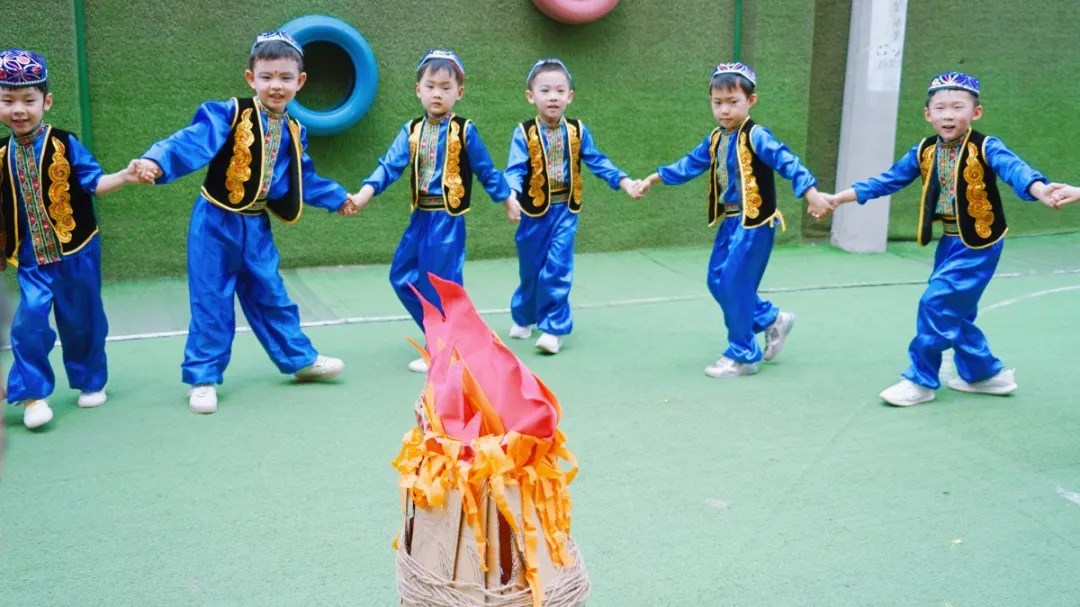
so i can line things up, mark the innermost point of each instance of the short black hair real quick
(41, 86)
(549, 65)
(930, 95)
(729, 80)
(436, 64)
(275, 49)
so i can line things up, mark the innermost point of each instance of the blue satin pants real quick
(545, 247)
(737, 265)
(947, 310)
(233, 255)
(434, 241)
(71, 289)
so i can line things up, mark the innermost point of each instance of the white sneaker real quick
(89, 400)
(36, 413)
(202, 398)
(1001, 384)
(549, 343)
(324, 367)
(519, 332)
(418, 366)
(726, 367)
(906, 393)
(777, 333)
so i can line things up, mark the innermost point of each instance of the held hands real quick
(1062, 194)
(354, 203)
(634, 188)
(819, 205)
(144, 171)
(513, 208)
(1045, 193)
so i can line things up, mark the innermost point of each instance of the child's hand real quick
(637, 189)
(1043, 193)
(131, 174)
(1063, 194)
(147, 171)
(817, 204)
(348, 208)
(513, 209)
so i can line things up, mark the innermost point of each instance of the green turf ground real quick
(792, 487)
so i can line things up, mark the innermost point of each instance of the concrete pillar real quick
(868, 126)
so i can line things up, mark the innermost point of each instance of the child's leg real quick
(434, 242)
(557, 273)
(404, 268)
(214, 259)
(532, 239)
(32, 338)
(273, 317)
(738, 263)
(80, 319)
(946, 310)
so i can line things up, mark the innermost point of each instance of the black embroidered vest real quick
(980, 215)
(756, 177)
(536, 199)
(70, 207)
(235, 174)
(456, 171)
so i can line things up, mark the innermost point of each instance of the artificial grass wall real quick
(641, 77)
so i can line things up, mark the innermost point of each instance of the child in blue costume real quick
(959, 168)
(442, 151)
(50, 231)
(258, 164)
(741, 158)
(544, 171)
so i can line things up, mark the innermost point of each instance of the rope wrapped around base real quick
(419, 587)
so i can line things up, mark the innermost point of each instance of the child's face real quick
(22, 109)
(275, 82)
(951, 113)
(550, 92)
(731, 106)
(438, 91)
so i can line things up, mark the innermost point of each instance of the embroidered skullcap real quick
(548, 61)
(736, 68)
(278, 36)
(439, 53)
(20, 67)
(954, 80)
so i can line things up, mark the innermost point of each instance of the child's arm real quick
(86, 169)
(318, 191)
(679, 172)
(601, 165)
(491, 178)
(1028, 183)
(777, 155)
(390, 168)
(192, 147)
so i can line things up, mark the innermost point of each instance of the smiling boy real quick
(258, 164)
(959, 169)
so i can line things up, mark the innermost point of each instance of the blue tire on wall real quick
(322, 28)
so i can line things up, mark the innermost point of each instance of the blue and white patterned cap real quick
(440, 53)
(547, 61)
(736, 68)
(20, 67)
(954, 80)
(278, 36)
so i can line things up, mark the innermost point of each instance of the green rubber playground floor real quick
(796, 486)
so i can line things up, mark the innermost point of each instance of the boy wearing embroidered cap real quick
(544, 171)
(50, 232)
(741, 157)
(258, 164)
(959, 168)
(442, 151)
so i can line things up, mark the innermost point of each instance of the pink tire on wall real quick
(575, 11)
